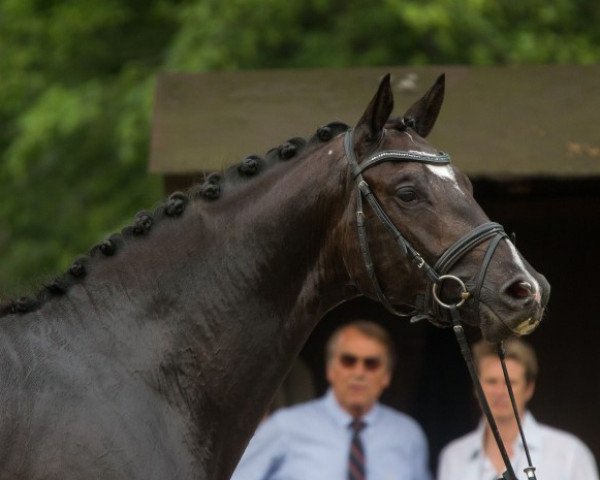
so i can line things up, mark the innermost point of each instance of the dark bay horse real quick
(155, 356)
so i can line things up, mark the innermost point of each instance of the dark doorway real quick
(558, 229)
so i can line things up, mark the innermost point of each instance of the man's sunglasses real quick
(370, 363)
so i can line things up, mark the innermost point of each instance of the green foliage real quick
(77, 77)
(334, 33)
(75, 102)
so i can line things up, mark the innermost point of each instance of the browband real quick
(439, 158)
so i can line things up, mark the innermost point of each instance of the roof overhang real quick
(496, 122)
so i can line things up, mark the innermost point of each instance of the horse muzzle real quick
(517, 310)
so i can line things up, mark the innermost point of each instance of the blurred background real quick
(77, 84)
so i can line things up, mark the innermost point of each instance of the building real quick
(528, 137)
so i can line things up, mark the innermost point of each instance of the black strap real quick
(509, 474)
(476, 236)
(366, 254)
(440, 158)
(530, 470)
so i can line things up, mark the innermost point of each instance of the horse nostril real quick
(520, 290)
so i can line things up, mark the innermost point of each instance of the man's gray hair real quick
(368, 329)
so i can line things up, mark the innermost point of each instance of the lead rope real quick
(459, 332)
(530, 469)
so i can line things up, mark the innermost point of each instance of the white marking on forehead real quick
(330, 152)
(445, 172)
(519, 262)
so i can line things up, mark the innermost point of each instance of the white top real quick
(556, 455)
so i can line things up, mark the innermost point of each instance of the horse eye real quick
(407, 195)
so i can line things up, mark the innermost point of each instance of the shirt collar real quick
(342, 417)
(531, 429)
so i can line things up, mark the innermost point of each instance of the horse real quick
(156, 355)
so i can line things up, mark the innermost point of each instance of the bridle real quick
(430, 306)
(427, 307)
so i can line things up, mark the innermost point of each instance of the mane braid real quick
(211, 189)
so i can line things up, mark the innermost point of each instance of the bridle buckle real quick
(419, 261)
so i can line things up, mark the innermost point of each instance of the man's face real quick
(358, 371)
(494, 386)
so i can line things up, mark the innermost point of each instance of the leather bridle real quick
(426, 308)
(430, 306)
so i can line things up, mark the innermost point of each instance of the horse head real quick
(421, 242)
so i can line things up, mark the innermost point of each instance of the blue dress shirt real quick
(311, 441)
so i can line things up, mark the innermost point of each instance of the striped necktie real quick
(356, 460)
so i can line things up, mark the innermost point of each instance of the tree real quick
(75, 98)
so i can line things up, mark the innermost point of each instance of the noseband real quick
(430, 306)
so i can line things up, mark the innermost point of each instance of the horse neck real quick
(261, 245)
(244, 277)
(211, 308)
(267, 258)
(247, 282)
(287, 277)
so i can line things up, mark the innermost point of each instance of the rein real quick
(431, 307)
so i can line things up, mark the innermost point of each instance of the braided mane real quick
(211, 189)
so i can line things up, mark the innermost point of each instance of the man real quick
(555, 454)
(347, 434)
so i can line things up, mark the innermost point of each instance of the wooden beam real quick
(497, 122)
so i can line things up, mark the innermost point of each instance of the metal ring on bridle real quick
(464, 294)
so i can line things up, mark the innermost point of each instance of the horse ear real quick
(371, 124)
(424, 112)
